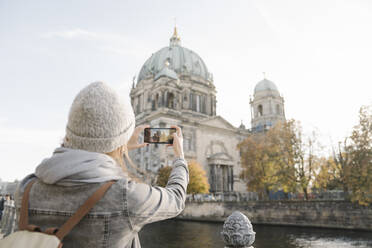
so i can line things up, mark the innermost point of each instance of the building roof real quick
(181, 61)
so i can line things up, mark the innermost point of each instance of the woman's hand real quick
(133, 141)
(178, 143)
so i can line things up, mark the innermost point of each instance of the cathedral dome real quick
(264, 85)
(177, 58)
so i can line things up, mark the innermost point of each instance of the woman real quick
(100, 131)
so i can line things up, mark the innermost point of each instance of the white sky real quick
(317, 52)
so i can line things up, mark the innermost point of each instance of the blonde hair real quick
(118, 155)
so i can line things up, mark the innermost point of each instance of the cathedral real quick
(174, 87)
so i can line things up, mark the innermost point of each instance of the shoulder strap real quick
(83, 210)
(73, 220)
(23, 218)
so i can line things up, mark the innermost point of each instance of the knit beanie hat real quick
(99, 120)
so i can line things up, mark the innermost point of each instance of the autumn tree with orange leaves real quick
(198, 179)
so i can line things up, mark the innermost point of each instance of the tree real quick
(279, 159)
(335, 170)
(259, 169)
(198, 179)
(360, 152)
(350, 168)
(163, 175)
(282, 141)
(307, 162)
(342, 161)
(328, 176)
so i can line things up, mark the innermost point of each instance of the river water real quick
(184, 234)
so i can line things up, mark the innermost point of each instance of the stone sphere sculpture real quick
(238, 231)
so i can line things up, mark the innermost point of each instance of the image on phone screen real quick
(159, 135)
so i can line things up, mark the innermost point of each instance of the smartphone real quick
(159, 135)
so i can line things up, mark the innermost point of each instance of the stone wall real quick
(329, 214)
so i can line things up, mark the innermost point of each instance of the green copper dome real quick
(178, 59)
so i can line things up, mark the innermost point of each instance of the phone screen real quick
(159, 135)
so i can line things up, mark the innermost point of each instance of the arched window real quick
(153, 103)
(162, 99)
(157, 100)
(260, 110)
(170, 100)
(278, 109)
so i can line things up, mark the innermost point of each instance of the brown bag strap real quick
(83, 210)
(23, 219)
(72, 221)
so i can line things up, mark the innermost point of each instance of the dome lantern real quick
(175, 40)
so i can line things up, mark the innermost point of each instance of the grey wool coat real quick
(117, 218)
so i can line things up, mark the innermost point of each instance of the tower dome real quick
(179, 60)
(264, 85)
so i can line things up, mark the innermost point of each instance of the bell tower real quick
(267, 106)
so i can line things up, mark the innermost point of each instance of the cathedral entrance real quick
(221, 178)
(220, 168)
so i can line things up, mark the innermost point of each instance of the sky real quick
(318, 53)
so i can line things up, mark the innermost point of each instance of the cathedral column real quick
(231, 178)
(212, 178)
(219, 179)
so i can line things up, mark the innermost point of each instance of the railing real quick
(223, 197)
(333, 195)
(8, 218)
